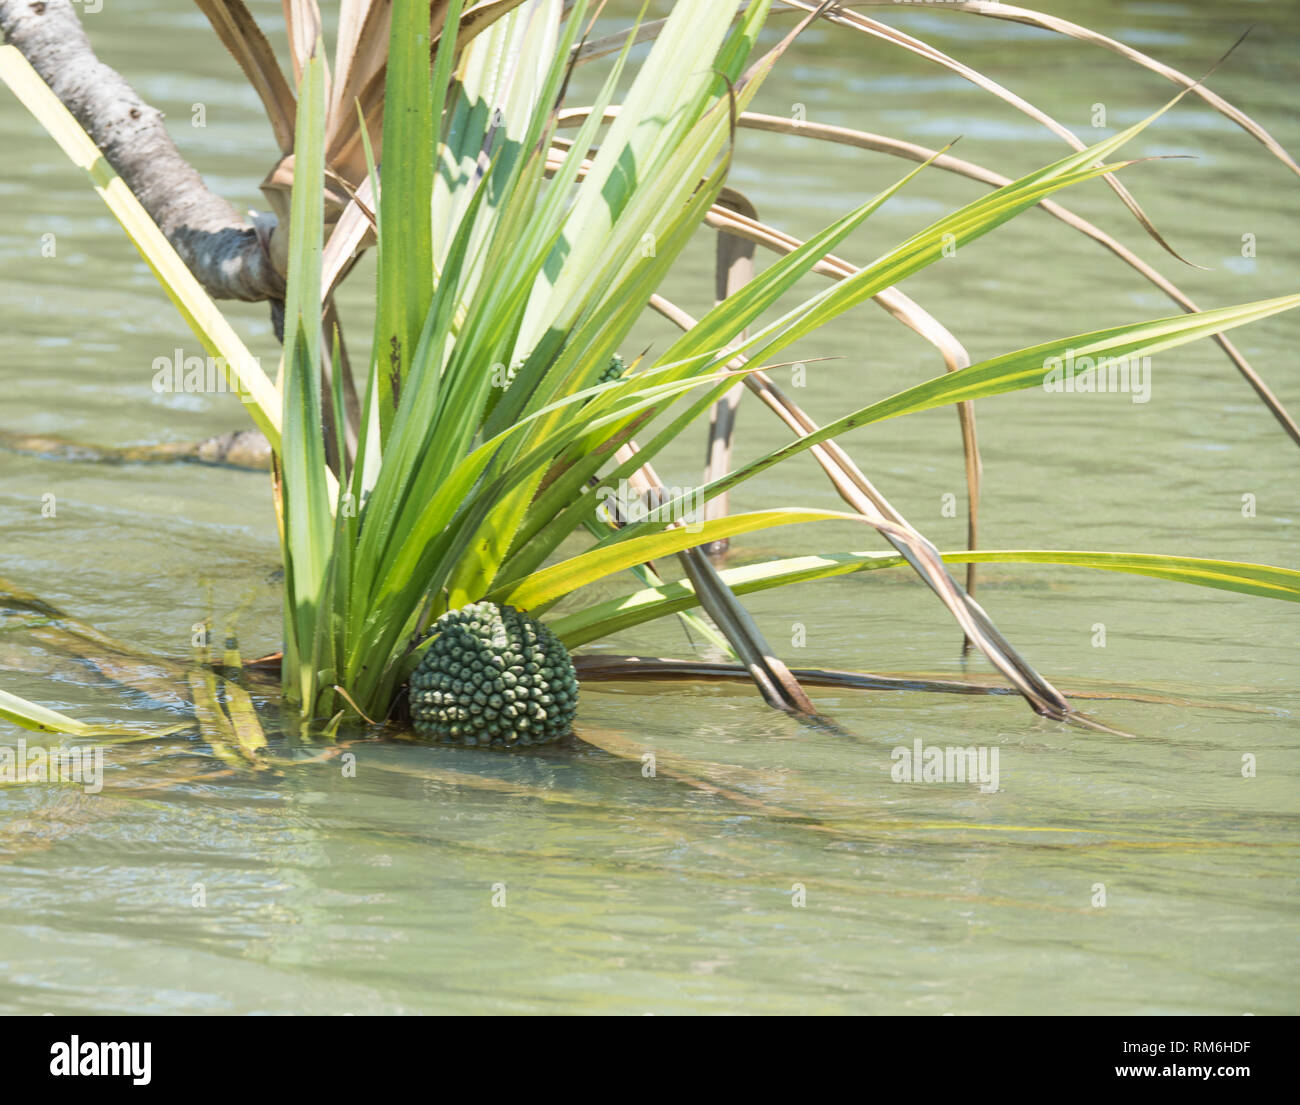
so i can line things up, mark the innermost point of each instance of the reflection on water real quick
(764, 865)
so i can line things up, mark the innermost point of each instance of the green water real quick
(624, 893)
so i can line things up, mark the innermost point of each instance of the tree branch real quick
(221, 249)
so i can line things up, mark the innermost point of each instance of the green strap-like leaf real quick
(196, 307)
(29, 715)
(560, 579)
(309, 494)
(405, 225)
(1016, 371)
(649, 603)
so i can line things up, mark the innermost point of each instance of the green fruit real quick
(493, 676)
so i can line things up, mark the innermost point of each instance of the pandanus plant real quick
(512, 266)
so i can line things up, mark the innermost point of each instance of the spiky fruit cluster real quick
(493, 676)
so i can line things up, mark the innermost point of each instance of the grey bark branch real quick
(220, 248)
